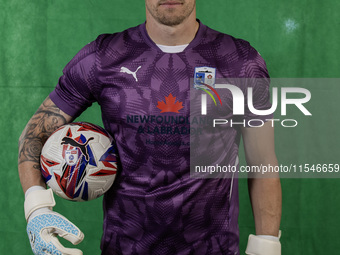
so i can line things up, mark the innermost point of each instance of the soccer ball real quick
(79, 161)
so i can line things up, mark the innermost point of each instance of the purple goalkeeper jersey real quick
(154, 206)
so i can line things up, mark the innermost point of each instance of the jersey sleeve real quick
(257, 77)
(74, 91)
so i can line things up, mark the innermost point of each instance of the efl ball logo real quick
(71, 157)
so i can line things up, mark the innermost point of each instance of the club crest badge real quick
(204, 75)
(71, 157)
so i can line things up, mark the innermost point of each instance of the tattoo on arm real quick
(44, 122)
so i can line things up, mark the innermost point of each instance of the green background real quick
(296, 38)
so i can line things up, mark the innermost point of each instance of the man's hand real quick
(44, 225)
(42, 232)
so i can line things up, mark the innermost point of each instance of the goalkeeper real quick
(154, 207)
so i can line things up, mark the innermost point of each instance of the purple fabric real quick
(154, 207)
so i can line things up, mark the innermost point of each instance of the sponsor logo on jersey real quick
(170, 104)
(170, 121)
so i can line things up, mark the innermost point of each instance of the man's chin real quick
(171, 21)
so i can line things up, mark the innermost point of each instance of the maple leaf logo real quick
(170, 104)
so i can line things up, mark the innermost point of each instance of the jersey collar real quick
(200, 32)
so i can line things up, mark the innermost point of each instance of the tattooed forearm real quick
(30, 149)
(44, 122)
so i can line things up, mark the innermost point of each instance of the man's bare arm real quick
(265, 191)
(42, 124)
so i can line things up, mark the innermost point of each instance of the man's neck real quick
(181, 34)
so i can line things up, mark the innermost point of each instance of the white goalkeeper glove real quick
(44, 225)
(264, 245)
